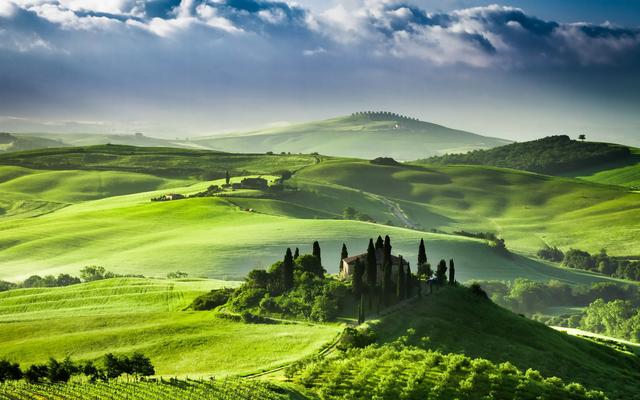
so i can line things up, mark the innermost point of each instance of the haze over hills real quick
(362, 135)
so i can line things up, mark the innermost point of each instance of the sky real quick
(518, 69)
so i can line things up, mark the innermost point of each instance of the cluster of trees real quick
(530, 297)
(549, 155)
(387, 289)
(425, 272)
(383, 116)
(296, 286)
(618, 267)
(54, 371)
(618, 318)
(496, 241)
(87, 274)
(354, 214)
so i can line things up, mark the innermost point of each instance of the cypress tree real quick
(422, 254)
(372, 266)
(387, 284)
(452, 273)
(400, 281)
(344, 254)
(296, 254)
(379, 243)
(358, 272)
(408, 288)
(287, 270)
(441, 272)
(316, 251)
(227, 177)
(361, 310)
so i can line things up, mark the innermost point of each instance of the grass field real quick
(527, 209)
(87, 216)
(124, 315)
(625, 173)
(456, 321)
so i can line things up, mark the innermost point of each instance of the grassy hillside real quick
(95, 139)
(130, 234)
(457, 321)
(527, 209)
(362, 136)
(623, 172)
(124, 315)
(9, 142)
(550, 155)
(165, 162)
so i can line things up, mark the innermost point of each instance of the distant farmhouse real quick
(349, 263)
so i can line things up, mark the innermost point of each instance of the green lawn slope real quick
(362, 136)
(124, 315)
(529, 210)
(454, 320)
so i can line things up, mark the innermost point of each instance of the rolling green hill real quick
(18, 142)
(457, 321)
(95, 139)
(123, 315)
(359, 135)
(437, 346)
(526, 209)
(622, 173)
(87, 217)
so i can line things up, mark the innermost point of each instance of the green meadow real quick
(123, 315)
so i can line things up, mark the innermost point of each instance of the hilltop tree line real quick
(617, 267)
(550, 155)
(383, 116)
(110, 367)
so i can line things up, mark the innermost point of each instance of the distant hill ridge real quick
(364, 134)
(550, 155)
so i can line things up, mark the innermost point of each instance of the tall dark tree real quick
(408, 287)
(452, 273)
(227, 177)
(287, 270)
(441, 272)
(387, 283)
(422, 253)
(372, 265)
(343, 254)
(296, 254)
(316, 251)
(401, 281)
(361, 310)
(357, 277)
(379, 243)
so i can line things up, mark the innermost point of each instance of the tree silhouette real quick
(379, 243)
(452, 273)
(316, 251)
(287, 270)
(441, 272)
(344, 254)
(296, 254)
(582, 137)
(357, 276)
(372, 265)
(401, 281)
(227, 177)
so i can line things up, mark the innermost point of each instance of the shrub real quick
(211, 300)
(9, 371)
